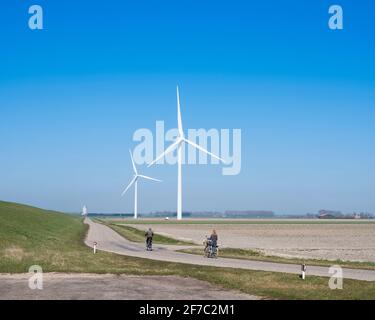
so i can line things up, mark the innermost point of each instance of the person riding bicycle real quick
(211, 245)
(213, 237)
(149, 235)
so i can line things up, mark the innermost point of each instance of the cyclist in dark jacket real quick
(214, 238)
(149, 235)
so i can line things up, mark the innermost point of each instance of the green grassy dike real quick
(54, 241)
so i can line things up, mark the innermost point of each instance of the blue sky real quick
(304, 96)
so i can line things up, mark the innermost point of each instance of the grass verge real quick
(136, 235)
(248, 254)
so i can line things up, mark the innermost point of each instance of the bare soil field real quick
(58, 286)
(352, 242)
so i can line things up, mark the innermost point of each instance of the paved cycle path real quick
(109, 240)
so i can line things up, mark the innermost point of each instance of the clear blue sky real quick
(72, 95)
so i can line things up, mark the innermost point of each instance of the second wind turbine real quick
(135, 182)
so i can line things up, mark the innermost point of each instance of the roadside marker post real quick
(95, 244)
(303, 271)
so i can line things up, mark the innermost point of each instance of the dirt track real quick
(58, 286)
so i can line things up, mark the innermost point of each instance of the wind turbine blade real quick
(166, 151)
(179, 120)
(149, 178)
(203, 150)
(129, 185)
(131, 157)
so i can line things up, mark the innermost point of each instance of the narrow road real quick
(109, 240)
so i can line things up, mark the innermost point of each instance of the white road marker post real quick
(303, 271)
(95, 244)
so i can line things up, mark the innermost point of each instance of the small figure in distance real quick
(211, 247)
(149, 235)
(214, 238)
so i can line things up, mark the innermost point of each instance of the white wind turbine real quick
(135, 182)
(180, 140)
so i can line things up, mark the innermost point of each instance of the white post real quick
(95, 247)
(135, 199)
(179, 183)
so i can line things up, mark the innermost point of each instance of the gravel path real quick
(62, 286)
(109, 240)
